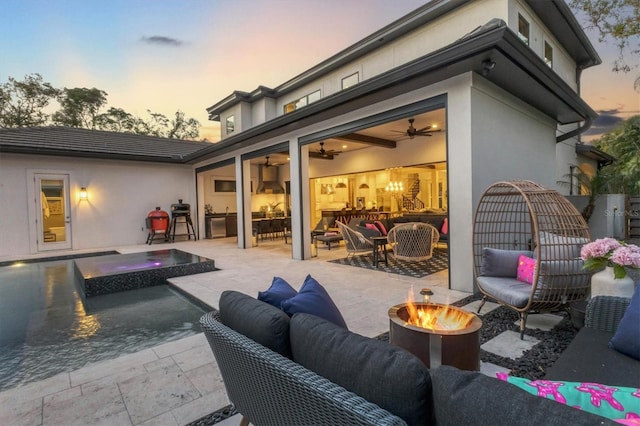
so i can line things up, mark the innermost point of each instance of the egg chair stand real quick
(516, 218)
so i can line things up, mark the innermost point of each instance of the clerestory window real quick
(303, 101)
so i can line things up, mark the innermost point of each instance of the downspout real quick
(587, 122)
(575, 132)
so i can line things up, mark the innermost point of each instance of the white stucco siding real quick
(563, 64)
(121, 194)
(510, 140)
(565, 157)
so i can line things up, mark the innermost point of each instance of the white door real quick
(53, 215)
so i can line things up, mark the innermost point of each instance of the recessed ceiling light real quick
(344, 146)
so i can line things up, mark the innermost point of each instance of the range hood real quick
(268, 181)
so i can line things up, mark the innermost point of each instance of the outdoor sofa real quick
(589, 357)
(309, 370)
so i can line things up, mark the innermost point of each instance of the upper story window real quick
(548, 54)
(303, 101)
(351, 80)
(523, 29)
(230, 124)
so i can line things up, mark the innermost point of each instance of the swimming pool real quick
(46, 328)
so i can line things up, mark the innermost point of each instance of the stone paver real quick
(509, 345)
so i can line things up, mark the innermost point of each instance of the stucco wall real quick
(121, 194)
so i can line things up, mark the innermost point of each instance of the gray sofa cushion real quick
(471, 398)
(381, 373)
(501, 263)
(589, 359)
(259, 321)
(508, 290)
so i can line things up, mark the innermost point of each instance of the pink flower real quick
(599, 248)
(610, 252)
(626, 256)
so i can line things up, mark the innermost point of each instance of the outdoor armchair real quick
(355, 242)
(413, 241)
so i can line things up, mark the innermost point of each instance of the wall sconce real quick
(84, 195)
(341, 185)
(363, 186)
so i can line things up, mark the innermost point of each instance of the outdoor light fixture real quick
(487, 66)
(84, 195)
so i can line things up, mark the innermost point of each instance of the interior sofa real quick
(438, 220)
(589, 357)
(305, 369)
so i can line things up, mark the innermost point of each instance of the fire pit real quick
(437, 334)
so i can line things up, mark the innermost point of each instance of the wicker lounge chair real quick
(522, 217)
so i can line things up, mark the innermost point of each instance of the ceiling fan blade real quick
(424, 129)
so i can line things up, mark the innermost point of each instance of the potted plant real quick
(614, 256)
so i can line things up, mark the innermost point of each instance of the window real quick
(230, 124)
(523, 29)
(548, 54)
(303, 101)
(349, 81)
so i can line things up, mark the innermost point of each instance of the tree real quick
(116, 120)
(80, 107)
(183, 128)
(618, 20)
(588, 184)
(623, 143)
(22, 103)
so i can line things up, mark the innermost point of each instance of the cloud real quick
(162, 40)
(607, 120)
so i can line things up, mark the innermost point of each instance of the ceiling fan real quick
(324, 153)
(412, 132)
(268, 163)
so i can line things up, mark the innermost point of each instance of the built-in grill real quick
(181, 215)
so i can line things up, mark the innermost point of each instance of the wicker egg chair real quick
(522, 217)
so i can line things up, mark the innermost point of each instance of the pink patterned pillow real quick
(526, 269)
(445, 226)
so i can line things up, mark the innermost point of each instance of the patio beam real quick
(371, 140)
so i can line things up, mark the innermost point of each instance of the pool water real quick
(46, 328)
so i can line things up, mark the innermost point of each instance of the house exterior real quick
(501, 76)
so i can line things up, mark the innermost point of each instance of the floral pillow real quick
(613, 402)
(526, 269)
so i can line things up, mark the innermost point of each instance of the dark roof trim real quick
(555, 14)
(237, 97)
(562, 23)
(594, 153)
(85, 143)
(464, 55)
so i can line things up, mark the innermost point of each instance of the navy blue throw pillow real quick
(626, 340)
(279, 291)
(313, 299)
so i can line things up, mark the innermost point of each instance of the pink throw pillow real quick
(526, 269)
(445, 226)
(381, 227)
(371, 226)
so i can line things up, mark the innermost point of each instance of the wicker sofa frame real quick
(268, 388)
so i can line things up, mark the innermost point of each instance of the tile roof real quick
(74, 142)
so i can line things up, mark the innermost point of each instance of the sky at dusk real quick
(189, 54)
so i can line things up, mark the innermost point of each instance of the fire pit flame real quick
(438, 317)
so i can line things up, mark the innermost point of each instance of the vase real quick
(604, 283)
